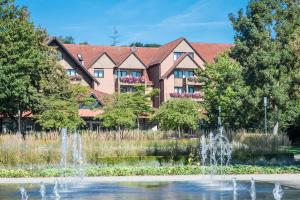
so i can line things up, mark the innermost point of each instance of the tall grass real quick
(44, 148)
(258, 142)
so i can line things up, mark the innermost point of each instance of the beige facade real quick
(107, 82)
(132, 62)
(80, 77)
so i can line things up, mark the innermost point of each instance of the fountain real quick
(43, 190)
(64, 148)
(24, 195)
(234, 185)
(252, 189)
(277, 191)
(77, 153)
(218, 149)
(55, 190)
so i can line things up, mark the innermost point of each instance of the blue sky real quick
(147, 21)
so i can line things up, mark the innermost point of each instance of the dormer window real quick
(191, 54)
(179, 54)
(99, 73)
(176, 55)
(136, 74)
(183, 73)
(71, 72)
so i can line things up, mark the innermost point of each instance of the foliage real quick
(124, 110)
(262, 143)
(139, 44)
(224, 87)
(179, 114)
(28, 68)
(270, 67)
(144, 170)
(62, 110)
(102, 148)
(66, 39)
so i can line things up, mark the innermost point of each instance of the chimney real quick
(80, 58)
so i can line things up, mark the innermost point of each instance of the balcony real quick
(194, 96)
(193, 80)
(130, 80)
(75, 77)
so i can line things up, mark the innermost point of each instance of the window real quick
(136, 74)
(71, 72)
(122, 73)
(191, 54)
(177, 55)
(178, 74)
(178, 90)
(189, 73)
(59, 56)
(127, 89)
(99, 73)
(191, 89)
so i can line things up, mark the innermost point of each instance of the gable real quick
(132, 62)
(187, 63)
(104, 62)
(183, 46)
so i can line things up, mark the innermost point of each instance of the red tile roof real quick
(164, 51)
(148, 55)
(90, 113)
(210, 51)
(91, 53)
(101, 96)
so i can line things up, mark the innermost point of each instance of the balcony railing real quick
(75, 77)
(193, 80)
(132, 80)
(186, 95)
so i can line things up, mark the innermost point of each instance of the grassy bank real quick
(99, 148)
(130, 171)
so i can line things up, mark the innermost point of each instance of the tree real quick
(224, 87)
(179, 114)
(28, 68)
(269, 64)
(124, 110)
(117, 113)
(139, 44)
(62, 110)
(67, 39)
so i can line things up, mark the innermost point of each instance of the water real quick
(43, 190)
(217, 149)
(55, 190)
(277, 191)
(253, 190)
(24, 195)
(152, 191)
(78, 155)
(64, 148)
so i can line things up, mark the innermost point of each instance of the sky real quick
(146, 21)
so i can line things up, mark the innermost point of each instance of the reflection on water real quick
(150, 191)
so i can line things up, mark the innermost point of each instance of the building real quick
(109, 69)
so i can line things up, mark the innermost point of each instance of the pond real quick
(148, 191)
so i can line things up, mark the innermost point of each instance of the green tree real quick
(61, 110)
(179, 114)
(262, 47)
(139, 44)
(224, 87)
(124, 110)
(67, 39)
(28, 67)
